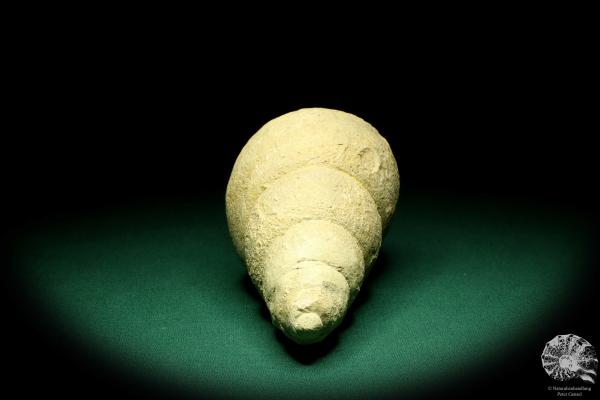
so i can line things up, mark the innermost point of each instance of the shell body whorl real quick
(307, 201)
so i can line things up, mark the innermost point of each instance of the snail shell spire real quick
(307, 202)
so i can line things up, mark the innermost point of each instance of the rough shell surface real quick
(307, 203)
(311, 136)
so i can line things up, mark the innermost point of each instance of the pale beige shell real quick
(307, 201)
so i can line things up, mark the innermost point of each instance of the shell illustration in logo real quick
(569, 356)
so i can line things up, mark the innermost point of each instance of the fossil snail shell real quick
(568, 356)
(307, 202)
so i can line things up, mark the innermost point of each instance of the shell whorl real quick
(311, 193)
(311, 136)
(307, 202)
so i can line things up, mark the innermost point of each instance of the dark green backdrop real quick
(155, 291)
(122, 280)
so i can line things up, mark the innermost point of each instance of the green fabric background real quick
(158, 289)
